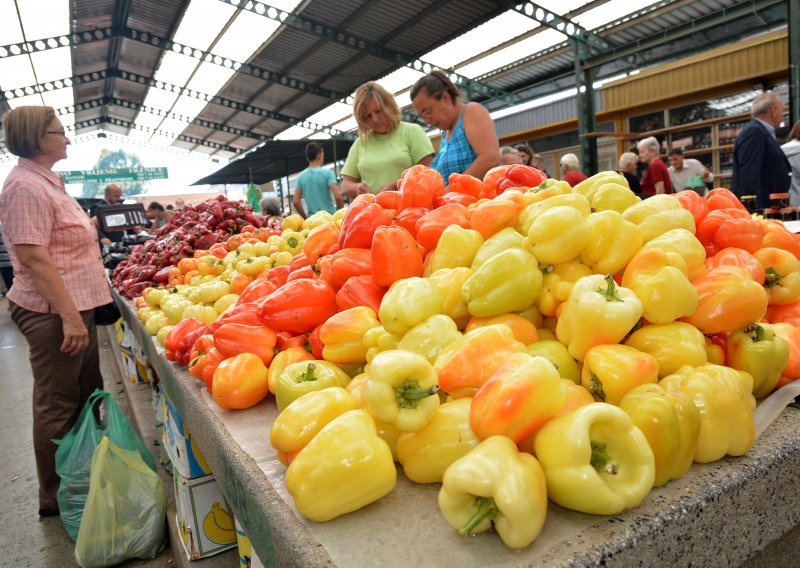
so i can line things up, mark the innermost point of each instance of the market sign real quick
(111, 175)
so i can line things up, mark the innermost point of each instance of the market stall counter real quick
(719, 514)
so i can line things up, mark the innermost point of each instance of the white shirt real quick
(691, 176)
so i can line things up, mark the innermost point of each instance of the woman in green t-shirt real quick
(386, 146)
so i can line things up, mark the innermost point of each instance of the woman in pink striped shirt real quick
(58, 281)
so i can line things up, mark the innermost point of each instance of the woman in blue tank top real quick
(468, 143)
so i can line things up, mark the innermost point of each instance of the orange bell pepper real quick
(777, 235)
(239, 282)
(360, 291)
(465, 184)
(785, 313)
(256, 291)
(694, 204)
(294, 354)
(298, 305)
(782, 274)
(320, 240)
(791, 335)
(212, 361)
(721, 198)
(419, 186)
(492, 216)
(407, 218)
(577, 396)
(524, 330)
(197, 362)
(240, 382)
(521, 395)
(389, 199)
(731, 227)
(395, 255)
(359, 224)
(727, 299)
(737, 257)
(343, 335)
(492, 179)
(468, 362)
(338, 267)
(452, 197)
(430, 226)
(234, 338)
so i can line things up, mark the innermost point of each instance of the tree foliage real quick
(114, 159)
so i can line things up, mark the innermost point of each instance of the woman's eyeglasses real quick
(61, 133)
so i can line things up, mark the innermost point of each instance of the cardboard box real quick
(205, 522)
(186, 457)
(247, 555)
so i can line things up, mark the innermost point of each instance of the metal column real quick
(794, 61)
(584, 77)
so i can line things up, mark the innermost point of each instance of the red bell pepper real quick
(320, 240)
(338, 267)
(315, 342)
(419, 186)
(234, 338)
(388, 199)
(395, 255)
(197, 361)
(181, 330)
(730, 227)
(285, 340)
(519, 175)
(408, 218)
(308, 271)
(694, 204)
(465, 184)
(431, 225)
(721, 198)
(278, 275)
(360, 291)
(359, 224)
(256, 291)
(786, 313)
(451, 197)
(298, 306)
(492, 179)
(299, 261)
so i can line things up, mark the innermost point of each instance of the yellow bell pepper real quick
(509, 281)
(161, 336)
(345, 467)
(291, 242)
(547, 189)
(205, 314)
(409, 302)
(524, 331)
(610, 371)
(557, 353)
(664, 289)
(683, 243)
(299, 422)
(613, 196)
(613, 242)
(427, 453)
(673, 345)
(305, 376)
(670, 422)
(557, 283)
(520, 396)
(293, 354)
(595, 460)
(293, 222)
(724, 397)
(387, 432)
(253, 265)
(499, 242)
(155, 322)
(153, 296)
(225, 302)
(401, 390)
(378, 339)
(317, 219)
(342, 335)
(758, 351)
(659, 214)
(558, 235)
(535, 210)
(173, 308)
(430, 337)
(449, 281)
(597, 312)
(495, 486)
(282, 258)
(783, 274)
(456, 247)
(591, 185)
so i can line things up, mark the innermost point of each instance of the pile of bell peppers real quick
(512, 338)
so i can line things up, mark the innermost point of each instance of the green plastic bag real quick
(74, 454)
(125, 513)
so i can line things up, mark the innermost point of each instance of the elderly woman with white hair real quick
(656, 180)
(571, 169)
(627, 167)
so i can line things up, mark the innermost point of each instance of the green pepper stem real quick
(602, 461)
(547, 269)
(755, 332)
(486, 508)
(773, 278)
(309, 374)
(610, 291)
(596, 388)
(408, 394)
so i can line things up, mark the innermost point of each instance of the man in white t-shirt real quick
(687, 173)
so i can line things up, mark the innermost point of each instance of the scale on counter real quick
(121, 217)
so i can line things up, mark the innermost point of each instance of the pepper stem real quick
(408, 394)
(755, 332)
(486, 508)
(602, 461)
(610, 291)
(309, 374)
(773, 277)
(597, 388)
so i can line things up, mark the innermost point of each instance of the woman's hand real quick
(353, 187)
(76, 336)
(391, 186)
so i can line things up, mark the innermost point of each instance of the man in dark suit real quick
(759, 165)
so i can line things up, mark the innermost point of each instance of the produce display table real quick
(719, 514)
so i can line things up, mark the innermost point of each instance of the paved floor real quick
(27, 541)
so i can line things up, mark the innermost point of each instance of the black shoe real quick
(49, 512)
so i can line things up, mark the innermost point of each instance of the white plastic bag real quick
(125, 512)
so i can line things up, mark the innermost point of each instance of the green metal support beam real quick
(340, 36)
(586, 115)
(794, 61)
(573, 31)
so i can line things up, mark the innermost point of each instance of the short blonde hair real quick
(24, 127)
(628, 158)
(385, 101)
(571, 161)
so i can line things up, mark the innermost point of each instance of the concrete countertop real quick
(719, 514)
